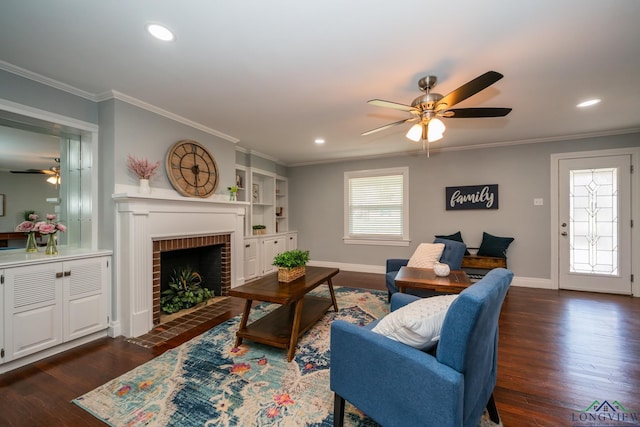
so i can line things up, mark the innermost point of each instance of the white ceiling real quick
(277, 74)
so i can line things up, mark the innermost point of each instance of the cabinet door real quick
(250, 259)
(33, 309)
(292, 241)
(271, 247)
(85, 290)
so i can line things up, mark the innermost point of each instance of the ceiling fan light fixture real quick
(54, 179)
(415, 133)
(435, 130)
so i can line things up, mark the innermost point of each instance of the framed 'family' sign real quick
(471, 197)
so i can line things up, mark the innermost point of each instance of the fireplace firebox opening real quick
(204, 261)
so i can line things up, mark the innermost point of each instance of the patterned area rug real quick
(208, 382)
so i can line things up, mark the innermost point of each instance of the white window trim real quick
(377, 240)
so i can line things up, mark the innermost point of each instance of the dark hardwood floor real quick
(559, 351)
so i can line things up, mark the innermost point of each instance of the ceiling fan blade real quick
(468, 113)
(394, 105)
(369, 132)
(469, 89)
(35, 171)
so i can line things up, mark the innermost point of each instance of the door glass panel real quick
(593, 218)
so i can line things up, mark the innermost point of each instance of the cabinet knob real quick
(67, 273)
(246, 246)
(58, 275)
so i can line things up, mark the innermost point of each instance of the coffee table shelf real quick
(276, 327)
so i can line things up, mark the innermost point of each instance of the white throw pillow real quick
(426, 255)
(417, 324)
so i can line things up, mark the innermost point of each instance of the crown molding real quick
(558, 138)
(14, 69)
(259, 154)
(474, 147)
(112, 94)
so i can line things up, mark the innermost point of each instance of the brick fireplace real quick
(181, 243)
(146, 225)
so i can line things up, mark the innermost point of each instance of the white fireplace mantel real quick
(142, 218)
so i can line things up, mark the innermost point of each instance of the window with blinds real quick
(376, 206)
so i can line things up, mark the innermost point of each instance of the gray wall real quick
(142, 133)
(522, 172)
(126, 129)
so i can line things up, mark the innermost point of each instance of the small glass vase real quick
(232, 196)
(32, 247)
(52, 245)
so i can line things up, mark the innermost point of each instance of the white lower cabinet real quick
(292, 241)
(260, 251)
(52, 303)
(251, 260)
(272, 246)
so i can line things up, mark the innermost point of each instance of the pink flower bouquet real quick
(50, 226)
(29, 225)
(142, 168)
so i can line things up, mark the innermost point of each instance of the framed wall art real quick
(2, 201)
(471, 197)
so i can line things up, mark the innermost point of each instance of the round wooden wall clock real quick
(192, 169)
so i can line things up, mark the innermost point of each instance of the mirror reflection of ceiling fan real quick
(426, 110)
(54, 171)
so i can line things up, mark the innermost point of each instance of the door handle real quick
(564, 234)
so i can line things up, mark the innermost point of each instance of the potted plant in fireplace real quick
(291, 264)
(185, 291)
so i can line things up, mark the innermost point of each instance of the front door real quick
(594, 224)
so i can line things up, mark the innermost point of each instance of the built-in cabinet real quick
(48, 304)
(260, 251)
(267, 194)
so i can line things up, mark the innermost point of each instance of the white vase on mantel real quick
(144, 187)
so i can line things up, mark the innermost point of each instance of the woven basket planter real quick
(287, 275)
(259, 232)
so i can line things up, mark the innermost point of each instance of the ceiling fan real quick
(54, 171)
(427, 109)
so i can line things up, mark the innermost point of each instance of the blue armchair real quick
(398, 385)
(452, 255)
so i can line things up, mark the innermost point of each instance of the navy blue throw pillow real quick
(457, 236)
(494, 246)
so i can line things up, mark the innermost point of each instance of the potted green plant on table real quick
(291, 264)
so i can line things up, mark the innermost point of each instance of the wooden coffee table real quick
(299, 312)
(425, 278)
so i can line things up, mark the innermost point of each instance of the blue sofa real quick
(452, 255)
(398, 385)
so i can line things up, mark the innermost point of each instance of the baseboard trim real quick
(525, 282)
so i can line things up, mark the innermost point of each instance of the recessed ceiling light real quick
(160, 32)
(588, 103)
(319, 141)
